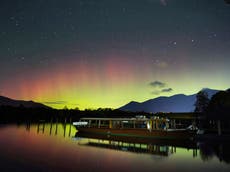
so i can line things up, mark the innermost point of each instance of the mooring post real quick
(51, 125)
(70, 123)
(28, 125)
(41, 122)
(64, 126)
(194, 153)
(56, 126)
(43, 127)
(219, 127)
(38, 127)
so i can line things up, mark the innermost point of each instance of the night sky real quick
(105, 53)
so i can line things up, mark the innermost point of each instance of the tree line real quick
(9, 114)
(218, 107)
(215, 111)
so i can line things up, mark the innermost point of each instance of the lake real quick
(54, 147)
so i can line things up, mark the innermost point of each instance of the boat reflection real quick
(156, 147)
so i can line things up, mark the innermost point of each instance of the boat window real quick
(104, 124)
(94, 123)
(140, 124)
(128, 124)
(116, 124)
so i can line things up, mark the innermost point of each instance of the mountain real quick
(175, 103)
(5, 101)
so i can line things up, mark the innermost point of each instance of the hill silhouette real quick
(175, 103)
(5, 101)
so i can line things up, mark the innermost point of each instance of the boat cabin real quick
(153, 123)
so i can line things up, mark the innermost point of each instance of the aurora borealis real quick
(105, 53)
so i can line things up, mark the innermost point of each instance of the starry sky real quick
(105, 53)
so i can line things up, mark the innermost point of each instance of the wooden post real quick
(194, 152)
(70, 123)
(221, 152)
(28, 125)
(56, 126)
(41, 122)
(43, 129)
(51, 125)
(64, 127)
(219, 127)
(38, 127)
(172, 150)
(99, 123)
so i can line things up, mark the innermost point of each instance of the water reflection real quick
(208, 151)
(56, 147)
(52, 128)
(156, 147)
(132, 147)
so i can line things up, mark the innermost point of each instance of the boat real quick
(138, 127)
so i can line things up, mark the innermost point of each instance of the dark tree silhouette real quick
(227, 1)
(202, 102)
(219, 106)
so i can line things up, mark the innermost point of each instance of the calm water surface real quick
(55, 148)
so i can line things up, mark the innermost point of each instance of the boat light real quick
(80, 123)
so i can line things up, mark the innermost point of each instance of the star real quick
(12, 18)
(123, 9)
(55, 33)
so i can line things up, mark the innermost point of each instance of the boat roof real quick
(117, 119)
